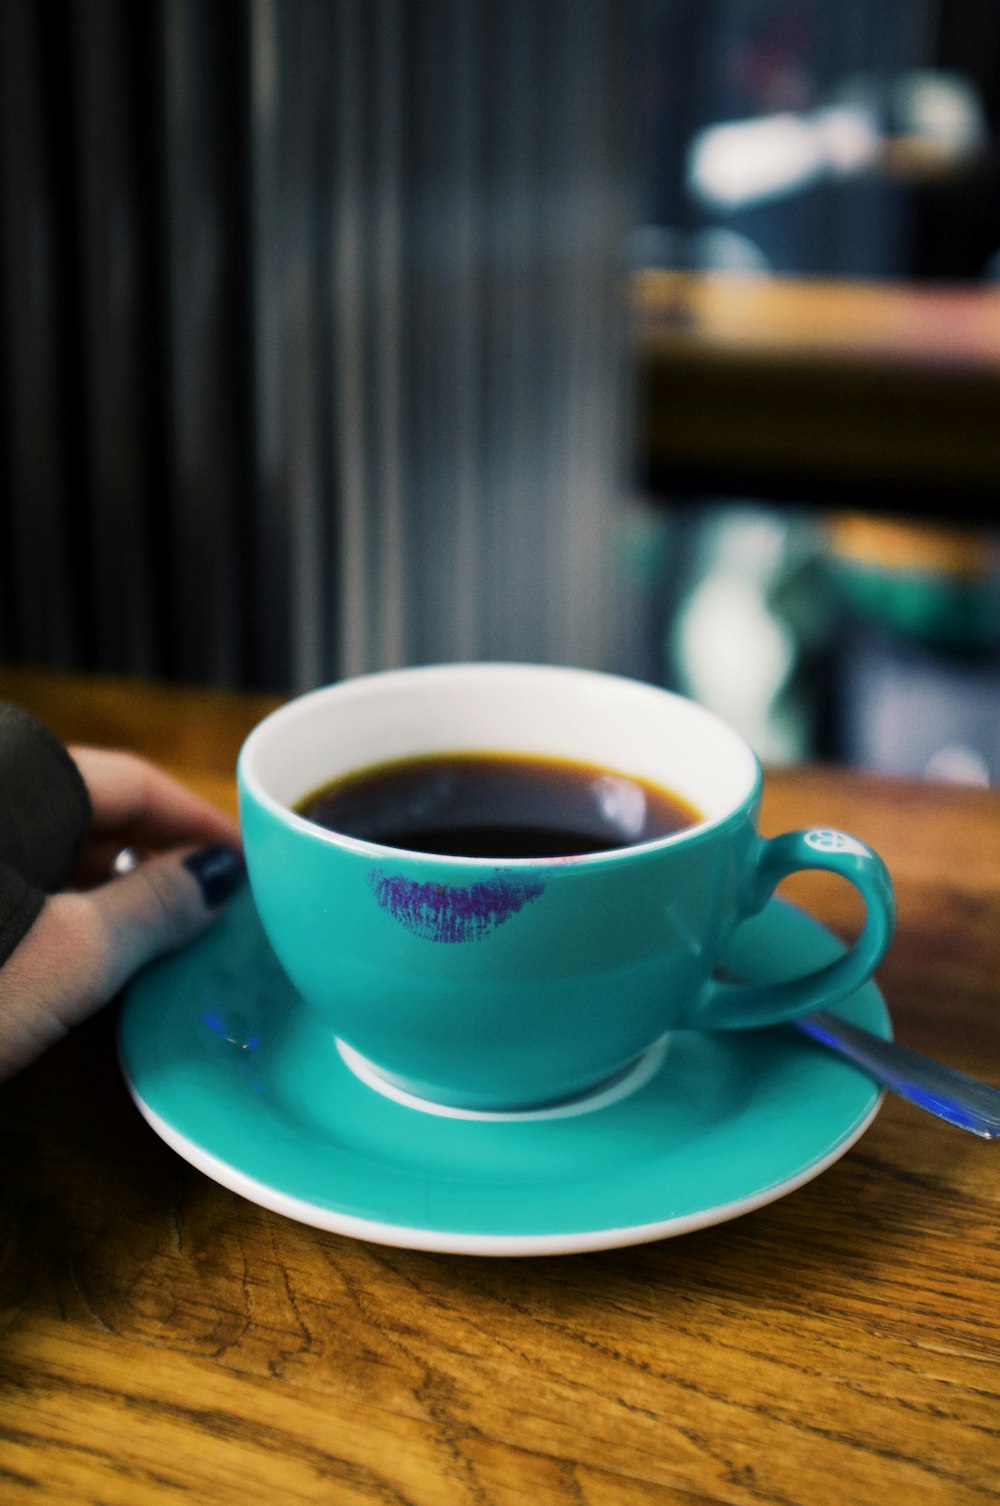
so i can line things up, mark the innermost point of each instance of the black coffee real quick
(497, 805)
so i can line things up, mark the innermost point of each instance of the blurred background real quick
(660, 336)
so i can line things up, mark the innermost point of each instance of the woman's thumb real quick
(84, 947)
(163, 903)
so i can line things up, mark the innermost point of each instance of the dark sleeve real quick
(20, 903)
(44, 817)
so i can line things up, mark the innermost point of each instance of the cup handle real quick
(733, 1005)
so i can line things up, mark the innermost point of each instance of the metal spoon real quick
(951, 1095)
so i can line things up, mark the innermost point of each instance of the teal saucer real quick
(237, 1076)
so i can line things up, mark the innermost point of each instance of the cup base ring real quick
(621, 1084)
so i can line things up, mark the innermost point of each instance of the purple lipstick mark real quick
(438, 912)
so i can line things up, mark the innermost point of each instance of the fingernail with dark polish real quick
(219, 870)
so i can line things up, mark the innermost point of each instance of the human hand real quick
(90, 938)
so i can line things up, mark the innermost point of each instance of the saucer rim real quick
(447, 1241)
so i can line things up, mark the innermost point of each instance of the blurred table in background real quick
(164, 1339)
(850, 394)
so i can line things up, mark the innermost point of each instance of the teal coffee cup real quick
(492, 983)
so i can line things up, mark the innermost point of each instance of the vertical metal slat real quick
(122, 490)
(37, 576)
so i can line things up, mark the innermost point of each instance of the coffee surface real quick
(497, 805)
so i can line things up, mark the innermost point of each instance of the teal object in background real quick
(960, 615)
(244, 1082)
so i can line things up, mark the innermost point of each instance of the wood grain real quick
(163, 1340)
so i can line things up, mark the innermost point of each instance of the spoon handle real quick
(951, 1095)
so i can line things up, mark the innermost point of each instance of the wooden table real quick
(165, 1341)
(844, 393)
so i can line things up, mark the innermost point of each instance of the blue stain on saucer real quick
(451, 912)
(247, 1084)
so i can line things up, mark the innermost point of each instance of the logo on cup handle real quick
(824, 839)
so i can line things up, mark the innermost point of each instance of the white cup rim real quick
(386, 682)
